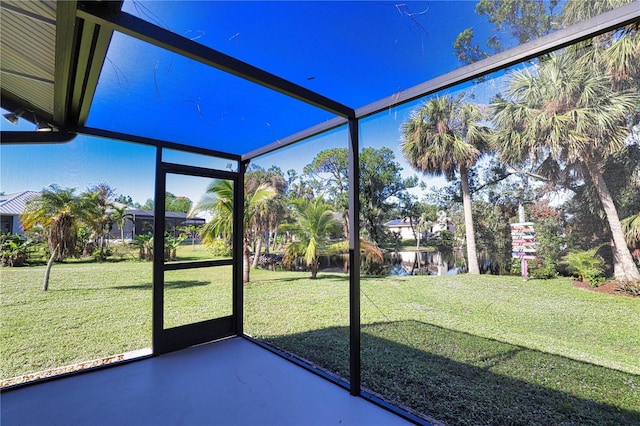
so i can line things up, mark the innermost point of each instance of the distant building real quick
(141, 222)
(11, 207)
(403, 227)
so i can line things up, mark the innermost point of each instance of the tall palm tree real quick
(444, 137)
(268, 213)
(119, 216)
(566, 112)
(577, 11)
(57, 211)
(618, 51)
(314, 224)
(219, 201)
(97, 202)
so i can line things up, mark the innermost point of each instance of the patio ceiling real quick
(236, 79)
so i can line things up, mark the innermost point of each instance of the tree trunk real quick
(345, 225)
(472, 255)
(245, 261)
(267, 241)
(623, 267)
(47, 271)
(314, 269)
(256, 257)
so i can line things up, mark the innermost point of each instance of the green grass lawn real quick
(461, 349)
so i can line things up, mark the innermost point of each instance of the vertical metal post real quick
(354, 258)
(238, 249)
(158, 253)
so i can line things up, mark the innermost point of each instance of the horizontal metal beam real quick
(562, 38)
(143, 30)
(183, 169)
(32, 138)
(297, 137)
(90, 131)
(584, 30)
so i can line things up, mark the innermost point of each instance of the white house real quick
(11, 207)
(403, 227)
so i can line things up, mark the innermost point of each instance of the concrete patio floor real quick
(231, 382)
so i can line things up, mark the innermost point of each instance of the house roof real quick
(14, 204)
(169, 215)
(397, 223)
(244, 77)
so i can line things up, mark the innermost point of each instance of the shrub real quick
(219, 248)
(587, 265)
(545, 269)
(516, 268)
(14, 249)
(121, 251)
(144, 244)
(100, 255)
(549, 240)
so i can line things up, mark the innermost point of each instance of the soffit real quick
(27, 49)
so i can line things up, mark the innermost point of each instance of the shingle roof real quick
(14, 204)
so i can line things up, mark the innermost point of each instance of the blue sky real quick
(84, 162)
(160, 96)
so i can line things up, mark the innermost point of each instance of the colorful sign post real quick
(523, 244)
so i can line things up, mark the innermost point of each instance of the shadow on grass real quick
(320, 277)
(168, 285)
(462, 379)
(142, 286)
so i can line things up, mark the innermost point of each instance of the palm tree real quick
(631, 228)
(119, 216)
(219, 201)
(577, 11)
(444, 137)
(314, 223)
(368, 249)
(57, 211)
(565, 112)
(97, 202)
(618, 50)
(268, 213)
